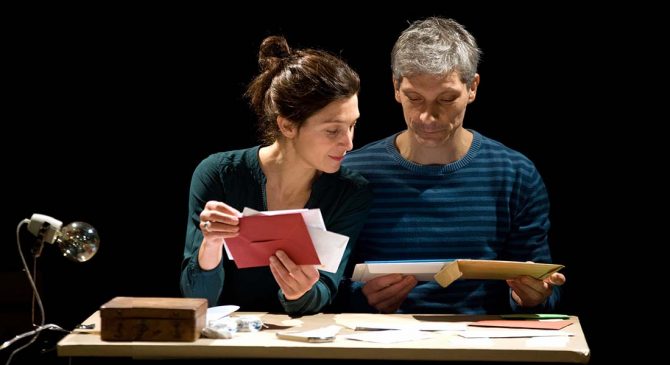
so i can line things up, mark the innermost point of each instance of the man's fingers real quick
(392, 304)
(556, 279)
(391, 296)
(527, 295)
(381, 282)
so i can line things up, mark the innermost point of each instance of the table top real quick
(442, 346)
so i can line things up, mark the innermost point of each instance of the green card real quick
(535, 316)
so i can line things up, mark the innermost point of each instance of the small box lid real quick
(145, 307)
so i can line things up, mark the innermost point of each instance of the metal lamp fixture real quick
(78, 241)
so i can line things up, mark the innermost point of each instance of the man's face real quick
(434, 106)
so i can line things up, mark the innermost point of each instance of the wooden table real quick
(443, 346)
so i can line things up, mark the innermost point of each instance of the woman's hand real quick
(294, 280)
(217, 221)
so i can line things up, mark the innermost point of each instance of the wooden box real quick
(152, 319)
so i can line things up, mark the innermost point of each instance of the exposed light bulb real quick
(78, 241)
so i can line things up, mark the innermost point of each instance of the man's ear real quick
(472, 92)
(286, 127)
(396, 89)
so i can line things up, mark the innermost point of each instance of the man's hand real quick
(386, 293)
(530, 292)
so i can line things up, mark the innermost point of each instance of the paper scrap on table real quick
(391, 336)
(511, 333)
(327, 331)
(419, 326)
(215, 313)
(556, 341)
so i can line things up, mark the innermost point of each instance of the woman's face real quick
(325, 137)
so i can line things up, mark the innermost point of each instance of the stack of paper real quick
(301, 233)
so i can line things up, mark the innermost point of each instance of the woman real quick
(308, 106)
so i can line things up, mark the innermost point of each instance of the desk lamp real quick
(78, 241)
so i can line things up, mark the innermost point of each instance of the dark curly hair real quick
(295, 84)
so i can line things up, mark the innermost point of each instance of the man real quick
(444, 192)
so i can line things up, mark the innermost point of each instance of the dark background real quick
(110, 113)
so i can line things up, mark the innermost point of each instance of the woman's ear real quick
(287, 128)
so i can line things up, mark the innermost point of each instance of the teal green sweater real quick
(236, 178)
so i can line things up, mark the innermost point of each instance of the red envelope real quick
(262, 235)
(540, 325)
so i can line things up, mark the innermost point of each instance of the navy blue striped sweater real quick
(491, 204)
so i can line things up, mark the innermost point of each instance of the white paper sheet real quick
(511, 333)
(422, 270)
(215, 313)
(392, 336)
(419, 326)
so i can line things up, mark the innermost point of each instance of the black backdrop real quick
(111, 114)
